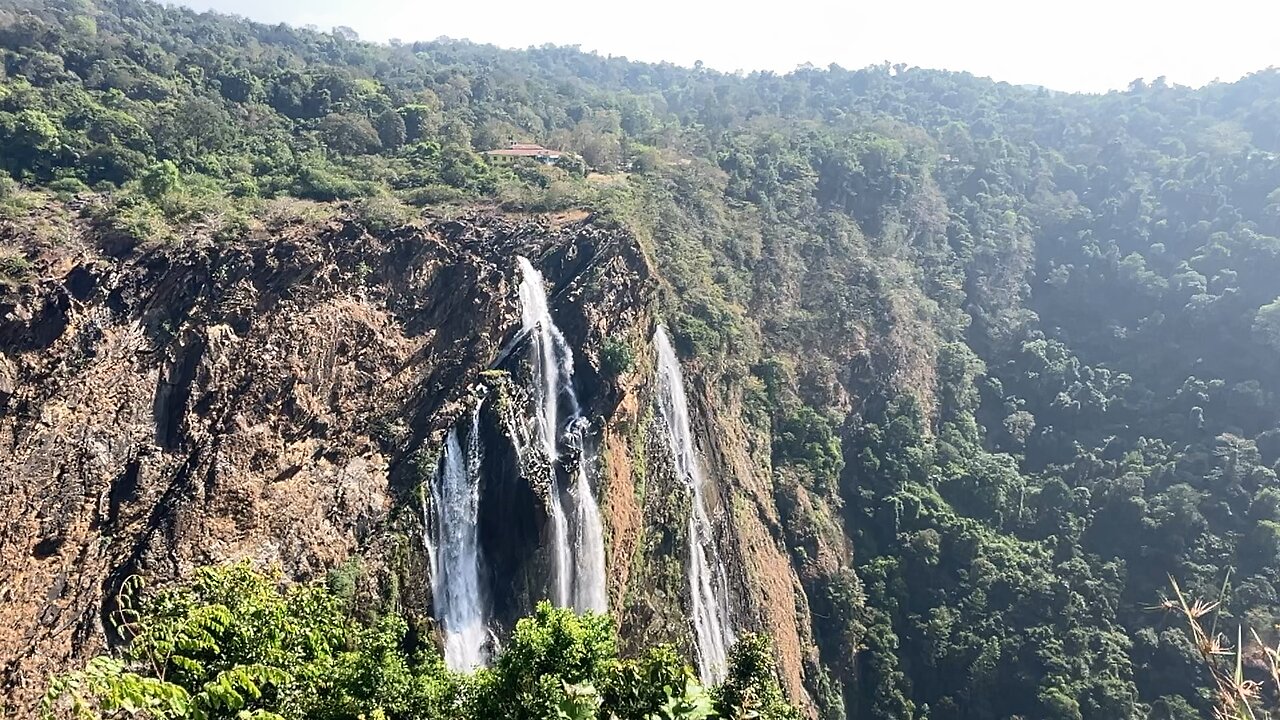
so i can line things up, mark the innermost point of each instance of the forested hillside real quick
(1006, 359)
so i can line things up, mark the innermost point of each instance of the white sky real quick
(1088, 45)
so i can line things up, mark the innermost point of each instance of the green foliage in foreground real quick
(234, 643)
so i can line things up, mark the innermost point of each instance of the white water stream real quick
(708, 581)
(454, 549)
(578, 533)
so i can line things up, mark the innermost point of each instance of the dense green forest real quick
(1072, 396)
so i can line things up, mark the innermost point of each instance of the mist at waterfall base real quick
(454, 549)
(578, 538)
(708, 581)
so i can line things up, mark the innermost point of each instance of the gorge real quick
(884, 393)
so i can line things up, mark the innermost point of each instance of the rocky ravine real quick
(271, 398)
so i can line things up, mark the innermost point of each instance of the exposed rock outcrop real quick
(282, 398)
(269, 398)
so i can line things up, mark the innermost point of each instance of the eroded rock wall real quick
(269, 398)
(283, 397)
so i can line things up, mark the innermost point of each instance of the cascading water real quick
(588, 570)
(708, 581)
(549, 351)
(579, 550)
(454, 550)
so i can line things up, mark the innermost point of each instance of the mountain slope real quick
(973, 368)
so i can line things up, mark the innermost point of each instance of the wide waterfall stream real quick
(454, 549)
(451, 508)
(578, 536)
(708, 581)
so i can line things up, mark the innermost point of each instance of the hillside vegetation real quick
(1015, 353)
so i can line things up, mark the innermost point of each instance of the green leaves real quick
(226, 644)
(236, 644)
(160, 180)
(548, 652)
(806, 438)
(850, 250)
(689, 703)
(105, 686)
(751, 690)
(616, 357)
(577, 702)
(235, 687)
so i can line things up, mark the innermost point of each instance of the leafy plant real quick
(235, 643)
(160, 180)
(14, 267)
(1237, 697)
(616, 357)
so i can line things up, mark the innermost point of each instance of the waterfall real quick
(578, 548)
(708, 581)
(589, 590)
(453, 549)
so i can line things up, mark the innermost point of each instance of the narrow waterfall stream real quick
(588, 570)
(579, 546)
(454, 549)
(708, 581)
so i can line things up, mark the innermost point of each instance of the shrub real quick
(115, 165)
(647, 161)
(14, 267)
(160, 179)
(67, 187)
(616, 357)
(572, 164)
(342, 580)
(325, 183)
(561, 195)
(244, 187)
(279, 212)
(382, 213)
(751, 688)
(433, 195)
(807, 438)
(234, 642)
(139, 219)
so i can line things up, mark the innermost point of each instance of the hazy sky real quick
(1091, 45)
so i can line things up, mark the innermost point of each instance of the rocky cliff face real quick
(280, 397)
